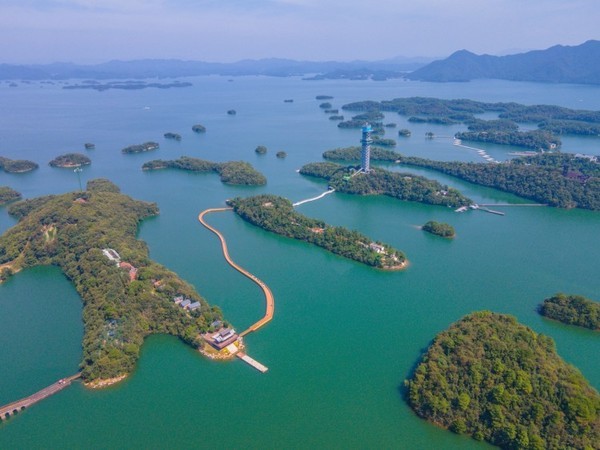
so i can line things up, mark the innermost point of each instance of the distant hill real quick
(163, 68)
(558, 64)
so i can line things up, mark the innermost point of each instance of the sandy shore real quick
(104, 382)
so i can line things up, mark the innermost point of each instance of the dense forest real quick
(70, 231)
(563, 180)
(70, 160)
(231, 172)
(572, 310)
(17, 165)
(439, 229)
(403, 186)
(534, 140)
(276, 214)
(497, 380)
(8, 195)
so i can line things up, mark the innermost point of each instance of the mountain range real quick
(558, 64)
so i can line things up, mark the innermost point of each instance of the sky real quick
(94, 31)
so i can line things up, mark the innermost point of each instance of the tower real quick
(365, 153)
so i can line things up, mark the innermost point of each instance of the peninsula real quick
(277, 215)
(572, 310)
(91, 237)
(563, 180)
(17, 165)
(232, 172)
(70, 160)
(403, 186)
(497, 380)
(8, 195)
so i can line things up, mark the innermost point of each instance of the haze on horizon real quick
(93, 31)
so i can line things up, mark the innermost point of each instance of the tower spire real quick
(365, 153)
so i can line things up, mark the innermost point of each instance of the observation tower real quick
(365, 153)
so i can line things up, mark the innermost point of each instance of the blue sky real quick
(90, 31)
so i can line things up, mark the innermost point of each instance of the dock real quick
(251, 361)
(13, 408)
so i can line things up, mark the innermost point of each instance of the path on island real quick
(270, 300)
(318, 197)
(15, 407)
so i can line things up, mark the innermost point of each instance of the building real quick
(131, 270)
(177, 300)
(194, 306)
(378, 248)
(222, 338)
(184, 304)
(112, 255)
(365, 153)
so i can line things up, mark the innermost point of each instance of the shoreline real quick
(104, 382)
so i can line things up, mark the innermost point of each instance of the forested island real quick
(277, 215)
(403, 186)
(8, 195)
(140, 148)
(91, 237)
(231, 172)
(70, 160)
(261, 149)
(439, 229)
(497, 380)
(17, 165)
(174, 136)
(572, 310)
(198, 128)
(281, 154)
(563, 180)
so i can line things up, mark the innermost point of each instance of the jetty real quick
(252, 362)
(15, 407)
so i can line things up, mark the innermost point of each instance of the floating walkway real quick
(251, 361)
(13, 408)
(481, 152)
(318, 197)
(270, 300)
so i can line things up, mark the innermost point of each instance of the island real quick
(551, 120)
(17, 165)
(334, 117)
(91, 237)
(281, 154)
(277, 215)
(439, 229)
(198, 128)
(325, 105)
(324, 97)
(288, 100)
(8, 195)
(231, 172)
(261, 150)
(140, 148)
(403, 186)
(496, 380)
(232, 112)
(174, 136)
(89, 146)
(70, 160)
(563, 180)
(572, 310)
(126, 85)
(404, 132)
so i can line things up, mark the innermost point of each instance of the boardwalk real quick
(270, 300)
(12, 408)
(251, 361)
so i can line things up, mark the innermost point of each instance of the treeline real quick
(8, 195)
(17, 165)
(572, 310)
(403, 186)
(70, 231)
(535, 140)
(276, 214)
(231, 172)
(497, 380)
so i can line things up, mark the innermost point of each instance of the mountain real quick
(161, 68)
(558, 64)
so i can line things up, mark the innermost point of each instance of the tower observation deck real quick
(365, 153)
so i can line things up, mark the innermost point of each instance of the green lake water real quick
(344, 336)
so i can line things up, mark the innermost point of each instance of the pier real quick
(13, 408)
(252, 362)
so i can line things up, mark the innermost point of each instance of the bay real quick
(344, 336)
